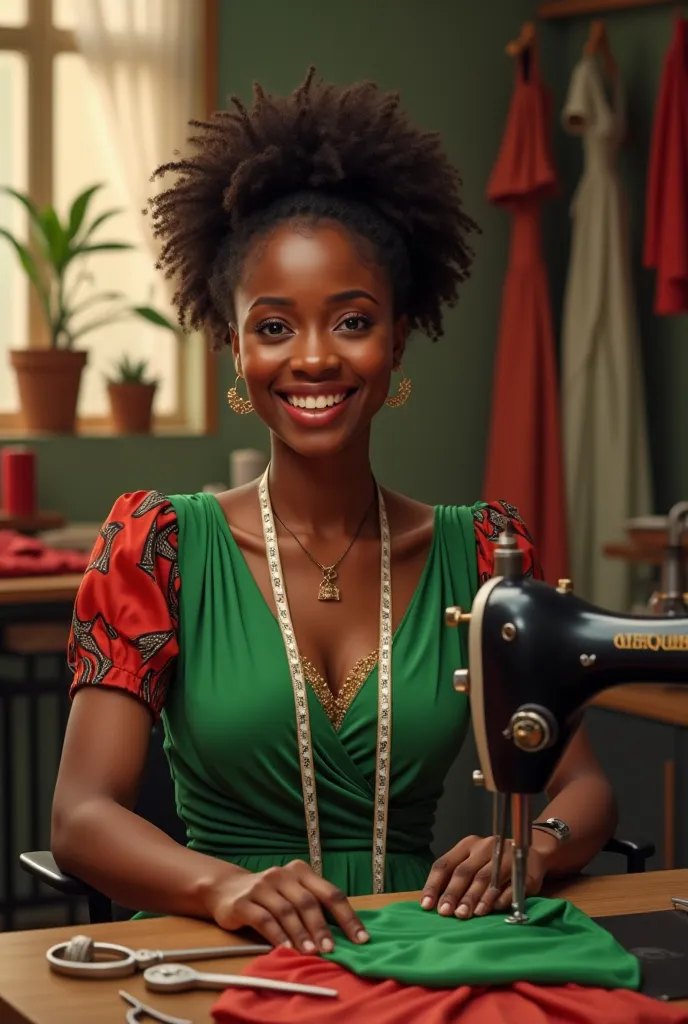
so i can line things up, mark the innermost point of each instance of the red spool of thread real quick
(18, 481)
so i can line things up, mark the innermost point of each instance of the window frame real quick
(39, 41)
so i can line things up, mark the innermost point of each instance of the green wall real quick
(447, 59)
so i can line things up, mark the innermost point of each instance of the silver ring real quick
(116, 962)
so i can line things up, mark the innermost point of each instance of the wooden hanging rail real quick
(571, 8)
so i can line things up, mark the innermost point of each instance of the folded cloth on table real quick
(560, 944)
(27, 556)
(365, 1001)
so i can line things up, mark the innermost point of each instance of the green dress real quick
(230, 724)
(169, 612)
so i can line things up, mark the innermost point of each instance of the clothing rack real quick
(570, 8)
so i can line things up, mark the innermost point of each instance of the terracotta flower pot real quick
(48, 381)
(132, 407)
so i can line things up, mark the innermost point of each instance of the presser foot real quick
(517, 917)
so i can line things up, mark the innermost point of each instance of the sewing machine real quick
(537, 654)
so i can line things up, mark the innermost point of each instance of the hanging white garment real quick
(603, 400)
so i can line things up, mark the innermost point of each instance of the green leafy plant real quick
(128, 371)
(53, 265)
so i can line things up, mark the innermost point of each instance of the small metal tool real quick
(139, 1010)
(679, 904)
(180, 978)
(85, 958)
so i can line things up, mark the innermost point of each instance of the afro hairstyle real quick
(348, 154)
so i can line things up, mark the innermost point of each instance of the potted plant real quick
(131, 395)
(49, 378)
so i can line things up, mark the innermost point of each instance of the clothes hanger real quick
(523, 48)
(524, 42)
(598, 45)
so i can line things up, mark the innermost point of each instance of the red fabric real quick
(489, 523)
(124, 628)
(388, 1002)
(666, 212)
(18, 481)
(26, 556)
(524, 453)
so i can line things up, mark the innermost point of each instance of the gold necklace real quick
(384, 704)
(328, 590)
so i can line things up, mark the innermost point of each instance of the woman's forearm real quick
(134, 863)
(587, 805)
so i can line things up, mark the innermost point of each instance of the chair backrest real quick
(156, 802)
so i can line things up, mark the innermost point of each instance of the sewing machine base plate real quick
(660, 941)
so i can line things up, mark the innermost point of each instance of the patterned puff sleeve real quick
(490, 519)
(124, 627)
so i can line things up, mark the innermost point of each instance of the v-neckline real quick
(415, 596)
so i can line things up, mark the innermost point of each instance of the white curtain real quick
(145, 56)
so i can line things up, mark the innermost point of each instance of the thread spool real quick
(18, 481)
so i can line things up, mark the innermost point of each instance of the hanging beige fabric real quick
(605, 438)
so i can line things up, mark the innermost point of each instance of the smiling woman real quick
(290, 632)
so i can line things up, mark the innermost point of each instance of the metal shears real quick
(82, 957)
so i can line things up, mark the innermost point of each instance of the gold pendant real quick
(328, 591)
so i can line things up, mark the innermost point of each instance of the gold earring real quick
(241, 406)
(403, 392)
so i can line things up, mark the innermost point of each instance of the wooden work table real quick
(31, 994)
(39, 589)
(658, 702)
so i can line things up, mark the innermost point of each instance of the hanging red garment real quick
(389, 1002)
(524, 464)
(666, 210)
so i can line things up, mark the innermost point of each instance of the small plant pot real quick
(131, 406)
(48, 380)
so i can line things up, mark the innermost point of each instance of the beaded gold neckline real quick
(336, 707)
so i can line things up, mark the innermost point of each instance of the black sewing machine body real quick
(537, 655)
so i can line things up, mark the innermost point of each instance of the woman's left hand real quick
(459, 882)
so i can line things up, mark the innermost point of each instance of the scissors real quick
(180, 978)
(139, 1010)
(82, 957)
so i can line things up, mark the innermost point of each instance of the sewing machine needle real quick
(499, 808)
(520, 818)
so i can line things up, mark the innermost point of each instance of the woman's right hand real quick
(286, 905)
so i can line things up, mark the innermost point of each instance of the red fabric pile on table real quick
(26, 556)
(389, 1002)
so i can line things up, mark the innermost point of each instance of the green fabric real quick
(560, 944)
(229, 717)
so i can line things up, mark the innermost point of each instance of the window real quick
(55, 141)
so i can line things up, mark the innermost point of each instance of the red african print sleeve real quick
(490, 519)
(125, 621)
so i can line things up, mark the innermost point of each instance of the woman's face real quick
(315, 336)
